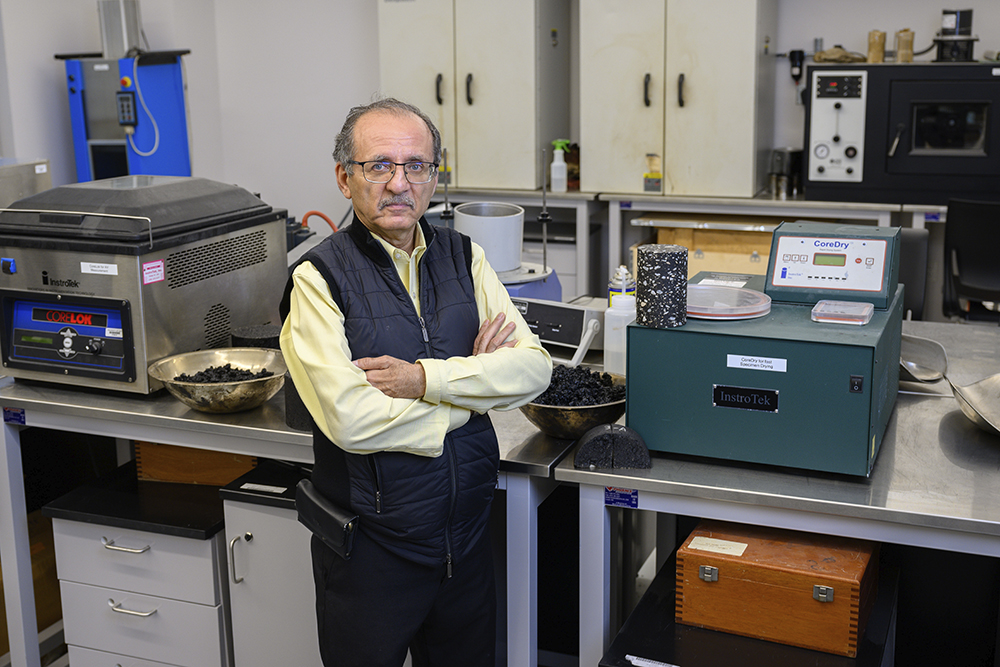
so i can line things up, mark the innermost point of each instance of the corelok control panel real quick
(837, 127)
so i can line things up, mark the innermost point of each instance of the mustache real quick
(397, 199)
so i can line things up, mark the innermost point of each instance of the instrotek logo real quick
(52, 282)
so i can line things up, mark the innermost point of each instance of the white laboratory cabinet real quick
(689, 81)
(271, 590)
(494, 77)
(138, 598)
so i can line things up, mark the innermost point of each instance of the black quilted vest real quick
(429, 510)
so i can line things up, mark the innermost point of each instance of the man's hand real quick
(491, 337)
(394, 377)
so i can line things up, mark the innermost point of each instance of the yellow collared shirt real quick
(360, 418)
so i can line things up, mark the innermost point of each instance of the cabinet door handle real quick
(232, 561)
(468, 89)
(645, 88)
(895, 141)
(110, 545)
(680, 90)
(117, 608)
(437, 88)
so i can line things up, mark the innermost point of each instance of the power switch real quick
(857, 384)
(8, 265)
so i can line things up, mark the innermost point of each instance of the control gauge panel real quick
(811, 261)
(67, 335)
(837, 126)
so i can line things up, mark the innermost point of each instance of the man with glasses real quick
(399, 339)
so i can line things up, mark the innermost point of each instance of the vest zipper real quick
(427, 338)
(453, 476)
(376, 478)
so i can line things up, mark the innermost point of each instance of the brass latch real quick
(708, 573)
(823, 593)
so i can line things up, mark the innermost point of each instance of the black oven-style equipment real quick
(911, 133)
(100, 279)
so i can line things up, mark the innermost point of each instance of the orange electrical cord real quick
(328, 220)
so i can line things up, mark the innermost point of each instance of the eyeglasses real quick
(382, 171)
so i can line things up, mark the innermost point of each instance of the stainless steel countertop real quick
(260, 432)
(936, 469)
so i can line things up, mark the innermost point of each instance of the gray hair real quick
(343, 150)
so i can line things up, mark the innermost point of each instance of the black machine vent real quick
(214, 259)
(217, 327)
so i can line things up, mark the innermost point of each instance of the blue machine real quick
(129, 115)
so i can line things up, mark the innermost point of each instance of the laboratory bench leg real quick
(15, 556)
(524, 494)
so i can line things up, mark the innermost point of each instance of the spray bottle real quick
(621, 282)
(557, 172)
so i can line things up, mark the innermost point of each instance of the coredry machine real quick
(805, 376)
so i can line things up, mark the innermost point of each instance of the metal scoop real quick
(980, 401)
(925, 360)
(921, 359)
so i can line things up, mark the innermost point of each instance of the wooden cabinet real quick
(137, 597)
(688, 81)
(494, 77)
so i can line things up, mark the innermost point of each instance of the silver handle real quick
(232, 560)
(110, 544)
(117, 608)
(248, 536)
(895, 142)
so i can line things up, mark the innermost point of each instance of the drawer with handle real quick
(144, 626)
(140, 561)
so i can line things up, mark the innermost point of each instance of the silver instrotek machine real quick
(100, 279)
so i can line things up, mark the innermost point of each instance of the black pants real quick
(374, 607)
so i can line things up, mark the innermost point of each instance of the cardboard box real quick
(48, 604)
(188, 465)
(720, 250)
(800, 589)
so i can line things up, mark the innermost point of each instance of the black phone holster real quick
(329, 522)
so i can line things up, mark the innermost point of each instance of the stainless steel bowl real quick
(220, 397)
(571, 422)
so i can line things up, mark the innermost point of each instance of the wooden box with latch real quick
(794, 588)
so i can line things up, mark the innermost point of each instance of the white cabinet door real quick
(717, 142)
(495, 56)
(712, 54)
(274, 606)
(504, 91)
(416, 54)
(621, 44)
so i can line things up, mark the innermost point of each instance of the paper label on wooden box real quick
(717, 546)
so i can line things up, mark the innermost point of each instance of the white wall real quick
(268, 86)
(34, 109)
(269, 83)
(288, 74)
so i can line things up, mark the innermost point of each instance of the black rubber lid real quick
(130, 209)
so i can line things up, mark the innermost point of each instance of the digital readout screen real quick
(36, 339)
(69, 317)
(829, 259)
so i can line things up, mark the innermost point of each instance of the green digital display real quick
(38, 340)
(829, 259)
